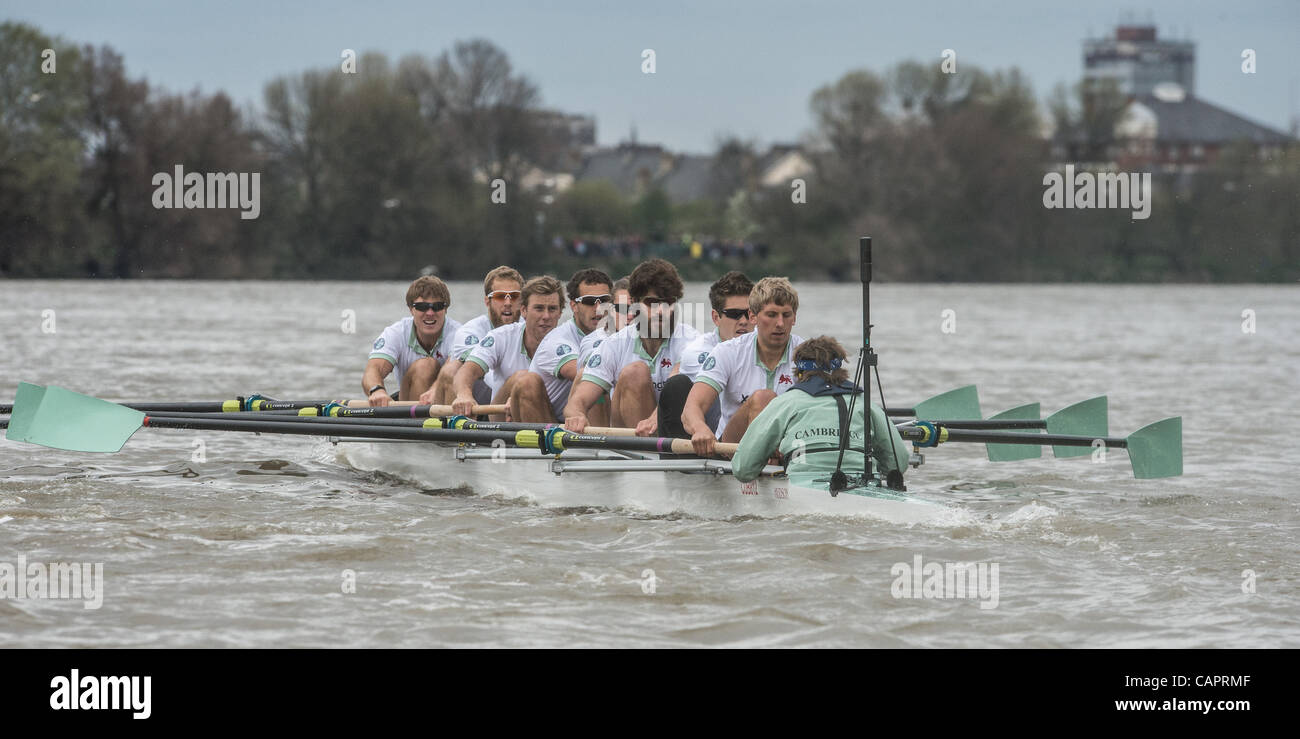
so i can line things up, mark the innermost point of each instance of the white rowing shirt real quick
(470, 334)
(398, 345)
(590, 342)
(696, 352)
(735, 371)
(616, 352)
(561, 346)
(502, 352)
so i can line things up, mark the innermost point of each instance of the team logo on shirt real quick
(710, 363)
(488, 341)
(703, 356)
(785, 380)
(471, 339)
(594, 361)
(665, 362)
(379, 343)
(562, 349)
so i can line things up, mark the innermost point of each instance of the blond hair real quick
(501, 273)
(773, 290)
(544, 285)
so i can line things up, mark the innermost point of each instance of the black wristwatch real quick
(372, 390)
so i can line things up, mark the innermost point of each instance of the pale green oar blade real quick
(960, 404)
(1085, 418)
(1015, 452)
(62, 419)
(1156, 450)
(26, 401)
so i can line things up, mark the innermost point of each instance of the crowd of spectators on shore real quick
(636, 247)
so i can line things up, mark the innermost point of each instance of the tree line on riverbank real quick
(380, 173)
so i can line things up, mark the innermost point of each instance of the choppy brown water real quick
(250, 546)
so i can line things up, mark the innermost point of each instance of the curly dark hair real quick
(655, 275)
(822, 350)
(728, 285)
(591, 277)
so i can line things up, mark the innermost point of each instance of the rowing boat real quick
(625, 480)
(554, 467)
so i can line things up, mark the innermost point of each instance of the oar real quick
(1155, 450)
(470, 424)
(460, 422)
(958, 403)
(402, 410)
(59, 418)
(251, 403)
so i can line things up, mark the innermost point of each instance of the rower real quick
(416, 347)
(805, 426)
(729, 298)
(633, 364)
(540, 395)
(501, 295)
(747, 372)
(613, 317)
(509, 350)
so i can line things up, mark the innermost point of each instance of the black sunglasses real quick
(735, 314)
(622, 307)
(594, 299)
(651, 302)
(435, 307)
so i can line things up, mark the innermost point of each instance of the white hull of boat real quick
(581, 478)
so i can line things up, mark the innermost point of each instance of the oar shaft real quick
(914, 433)
(411, 410)
(991, 424)
(309, 426)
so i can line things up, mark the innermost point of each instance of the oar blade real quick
(1016, 452)
(61, 419)
(1156, 450)
(1085, 418)
(959, 404)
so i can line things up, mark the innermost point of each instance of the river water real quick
(223, 539)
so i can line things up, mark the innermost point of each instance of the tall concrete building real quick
(1137, 61)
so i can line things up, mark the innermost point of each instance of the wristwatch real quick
(372, 390)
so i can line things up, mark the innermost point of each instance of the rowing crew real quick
(624, 359)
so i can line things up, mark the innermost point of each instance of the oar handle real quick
(609, 431)
(684, 446)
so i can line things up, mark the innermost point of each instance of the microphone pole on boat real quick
(864, 251)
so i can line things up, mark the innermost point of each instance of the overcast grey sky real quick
(746, 68)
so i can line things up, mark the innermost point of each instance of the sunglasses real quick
(594, 299)
(735, 314)
(501, 295)
(652, 302)
(622, 307)
(422, 307)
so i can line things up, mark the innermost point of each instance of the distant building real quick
(1165, 127)
(1138, 62)
(1171, 131)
